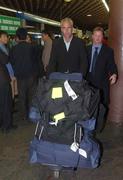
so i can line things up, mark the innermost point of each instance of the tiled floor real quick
(14, 165)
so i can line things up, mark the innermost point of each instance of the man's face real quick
(66, 29)
(44, 37)
(3, 39)
(97, 37)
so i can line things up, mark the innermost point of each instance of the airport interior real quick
(96, 149)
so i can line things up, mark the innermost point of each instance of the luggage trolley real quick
(59, 156)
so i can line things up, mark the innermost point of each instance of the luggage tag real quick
(82, 152)
(57, 92)
(70, 91)
(57, 118)
(53, 123)
(74, 146)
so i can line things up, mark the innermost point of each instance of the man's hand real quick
(113, 79)
(13, 78)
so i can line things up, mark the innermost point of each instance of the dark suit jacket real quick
(24, 60)
(73, 60)
(105, 66)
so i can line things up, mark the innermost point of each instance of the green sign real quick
(9, 24)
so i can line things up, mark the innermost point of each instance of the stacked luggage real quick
(64, 109)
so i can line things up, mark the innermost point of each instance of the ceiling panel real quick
(58, 9)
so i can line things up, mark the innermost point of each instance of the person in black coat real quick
(5, 87)
(68, 53)
(103, 72)
(25, 63)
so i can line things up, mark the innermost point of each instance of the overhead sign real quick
(9, 24)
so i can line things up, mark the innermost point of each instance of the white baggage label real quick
(69, 90)
(82, 152)
(74, 146)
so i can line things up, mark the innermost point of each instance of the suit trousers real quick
(101, 118)
(5, 105)
(26, 89)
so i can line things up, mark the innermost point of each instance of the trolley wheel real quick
(56, 174)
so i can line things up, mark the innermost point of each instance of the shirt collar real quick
(68, 41)
(99, 46)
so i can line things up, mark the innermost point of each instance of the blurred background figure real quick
(24, 62)
(28, 39)
(6, 75)
(46, 37)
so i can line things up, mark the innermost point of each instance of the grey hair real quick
(68, 20)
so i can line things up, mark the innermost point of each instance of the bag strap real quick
(75, 133)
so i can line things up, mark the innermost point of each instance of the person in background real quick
(68, 53)
(24, 63)
(6, 75)
(38, 49)
(47, 48)
(102, 70)
(28, 39)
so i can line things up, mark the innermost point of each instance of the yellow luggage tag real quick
(57, 118)
(57, 93)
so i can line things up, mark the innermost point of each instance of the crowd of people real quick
(27, 62)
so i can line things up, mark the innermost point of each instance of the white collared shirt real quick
(67, 44)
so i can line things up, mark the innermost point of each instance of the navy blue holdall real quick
(86, 154)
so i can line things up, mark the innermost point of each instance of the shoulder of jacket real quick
(56, 42)
(89, 47)
(79, 41)
(107, 48)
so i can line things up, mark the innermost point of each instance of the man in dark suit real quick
(102, 68)
(68, 53)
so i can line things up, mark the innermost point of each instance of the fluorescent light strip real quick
(41, 19)
(36, 33)
(8, 9)
(34, 17)
(106, 5)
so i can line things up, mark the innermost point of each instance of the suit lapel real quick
(71, 45)
(63, 45)
(101, 52)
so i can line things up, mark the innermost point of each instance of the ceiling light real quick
(8, 9)
(89, 15)
(30, 27)
(41, 19)
(106, 5)
(67, 0)
(19, 12)
(36, 33)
